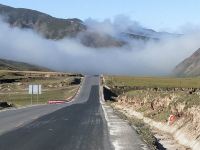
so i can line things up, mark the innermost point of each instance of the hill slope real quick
(190, 66)
(55, 28)
(48, 26)
(19, 66)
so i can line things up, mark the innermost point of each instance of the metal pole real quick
(37, 94)
(32, 96)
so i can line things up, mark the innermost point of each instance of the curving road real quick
(79, 125)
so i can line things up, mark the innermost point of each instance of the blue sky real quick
(161, 15)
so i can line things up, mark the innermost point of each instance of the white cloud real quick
(153, 58)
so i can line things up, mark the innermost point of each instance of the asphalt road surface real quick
(79, 125)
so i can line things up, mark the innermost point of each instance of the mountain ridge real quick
(6, 64)
(56, 28)
(190, 66)
(50, 27)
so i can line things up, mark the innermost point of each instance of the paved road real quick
(80, 125)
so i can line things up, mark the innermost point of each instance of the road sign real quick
(35, 89)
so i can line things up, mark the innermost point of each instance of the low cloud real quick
(120, 23)
(151, 58)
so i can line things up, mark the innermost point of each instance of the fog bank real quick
(151, 58)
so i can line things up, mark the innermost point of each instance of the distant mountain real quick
(55, 28)
(150, 34)
(48, 26)
(93, 39)
(190, 66)
(19, 66)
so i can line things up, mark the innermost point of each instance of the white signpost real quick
(35, 89)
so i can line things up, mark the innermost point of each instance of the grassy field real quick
(55, 86)
(22, 99)
(166, 82)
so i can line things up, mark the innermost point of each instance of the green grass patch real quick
(151, 82)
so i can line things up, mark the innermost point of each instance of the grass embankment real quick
(158, 104)
(55, 86)
(156, 98)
